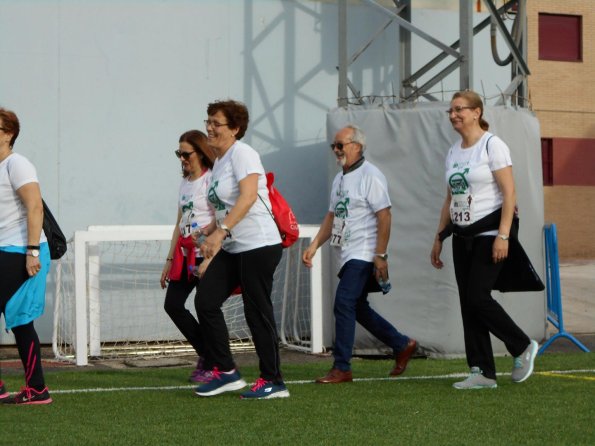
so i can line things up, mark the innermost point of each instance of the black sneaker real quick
(28, 395)
(3, 393)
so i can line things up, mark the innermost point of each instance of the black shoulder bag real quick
(55, 236)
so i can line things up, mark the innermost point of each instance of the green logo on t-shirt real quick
(213, 198)
(458, 183)
(341, 208)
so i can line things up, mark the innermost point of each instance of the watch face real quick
(34, 252)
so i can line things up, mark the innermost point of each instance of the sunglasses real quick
(339, 145)
(185, 155)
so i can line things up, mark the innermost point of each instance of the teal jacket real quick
(28, 303)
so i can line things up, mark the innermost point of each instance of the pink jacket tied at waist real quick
(175, 273)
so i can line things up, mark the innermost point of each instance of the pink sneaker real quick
(3, 392)
(28, 395)
(200, 374)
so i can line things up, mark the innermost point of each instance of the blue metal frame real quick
(554, 290)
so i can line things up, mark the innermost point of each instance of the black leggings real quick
(476, 274)
(254, 271)
(12, 275)
(175, 300)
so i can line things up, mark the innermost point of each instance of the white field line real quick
(549, 373)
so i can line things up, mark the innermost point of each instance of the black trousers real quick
(175, 306)
(476, 274)
(13, 274)
(254, 271)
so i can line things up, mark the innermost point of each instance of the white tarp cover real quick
(409, 144)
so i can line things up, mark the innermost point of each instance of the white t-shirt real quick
(355, 199)
(474, 191)
(194, 206)
(257, 228)
(15, 172)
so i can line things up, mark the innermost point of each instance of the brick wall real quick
(572, 209)
(562, 95)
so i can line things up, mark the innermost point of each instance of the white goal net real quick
(109, 303)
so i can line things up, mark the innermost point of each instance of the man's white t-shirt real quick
(15, 172)
(474, 190)
(355, 199)
(257, 228)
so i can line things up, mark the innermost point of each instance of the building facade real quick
(561, 57)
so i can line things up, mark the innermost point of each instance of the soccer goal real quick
(109, 303)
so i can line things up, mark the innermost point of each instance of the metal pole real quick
(343, 56)
(466, 38)
(405, 49)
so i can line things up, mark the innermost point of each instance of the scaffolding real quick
(459, 52)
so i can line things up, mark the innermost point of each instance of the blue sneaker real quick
(220, 382)
(263, 390)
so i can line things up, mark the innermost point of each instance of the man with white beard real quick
(358, 225)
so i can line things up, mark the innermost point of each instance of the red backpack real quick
(282, 214)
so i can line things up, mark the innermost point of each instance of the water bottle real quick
(195, 231)
(385, 285)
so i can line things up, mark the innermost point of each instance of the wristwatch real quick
(33, 252)
(226, 229)
(503, 236)
(383, 256)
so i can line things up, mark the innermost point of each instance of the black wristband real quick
(32, 246)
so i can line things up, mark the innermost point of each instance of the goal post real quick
(109, 302)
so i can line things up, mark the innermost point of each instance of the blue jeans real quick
(351, 305)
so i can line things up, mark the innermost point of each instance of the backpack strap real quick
(487, 142)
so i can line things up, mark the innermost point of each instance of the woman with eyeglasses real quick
(185, 264)
(24, 260)
(245, 248)
(479, 209)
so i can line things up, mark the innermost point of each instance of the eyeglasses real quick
(458, 109)
(216, 124)
(185, 155)
(340, 145)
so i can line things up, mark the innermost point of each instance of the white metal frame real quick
(87, 300)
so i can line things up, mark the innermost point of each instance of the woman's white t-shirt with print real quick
(193, 204)
(257, 228)
(355, 199)
(15, 172)
(474, 190)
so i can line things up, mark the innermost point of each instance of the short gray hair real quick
(358, 136)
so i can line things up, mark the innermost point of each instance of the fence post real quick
(554, 289)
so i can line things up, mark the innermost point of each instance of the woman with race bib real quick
(184, 263)
(481, 194)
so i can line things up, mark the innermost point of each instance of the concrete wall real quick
(104, 88)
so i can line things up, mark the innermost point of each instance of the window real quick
(547, 162)
(560, 37)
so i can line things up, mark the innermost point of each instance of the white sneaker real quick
(523, 365)
(476, 381)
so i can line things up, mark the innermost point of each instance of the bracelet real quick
(32, 246)
(169, 259)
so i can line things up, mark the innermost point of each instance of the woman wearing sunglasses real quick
(184, 264)
(245, 247)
